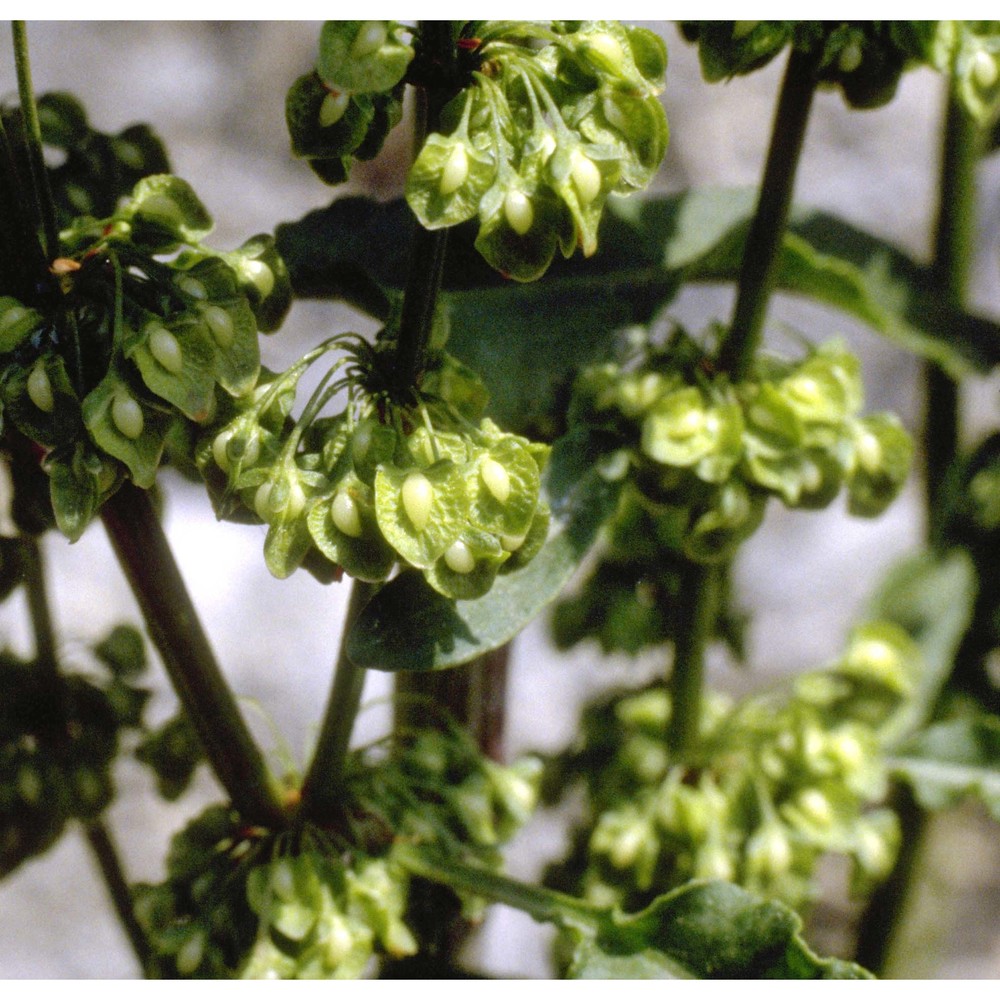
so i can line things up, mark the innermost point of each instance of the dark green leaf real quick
(954, 759)
(357, 249)
(709, 931)
(409, 626)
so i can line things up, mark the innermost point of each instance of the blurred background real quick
(215, 94)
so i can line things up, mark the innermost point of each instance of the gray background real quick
(215, 93)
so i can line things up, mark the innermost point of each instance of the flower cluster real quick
(772, 783)
(345, 108)
(864, 58)
(708, 453)
(380, 483)
(320, 902)
(59, 735)
(556, 118)
(629, 601)
(133, 344)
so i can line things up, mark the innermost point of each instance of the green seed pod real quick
(220, 325)
(164, 346)
(984, 70)
(345, 514)
(459, 558)
(191, 287)
(126, 414)
(333, 107)
(417, 496)
(496, 478)
(257, 272)
(768, 852)
(586, 177)
(40, 387)
(191, 953)
(456, 170)
(339, 939)
(518, 211)
(370, 38)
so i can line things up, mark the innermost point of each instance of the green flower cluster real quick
(629, 600)
(379, 483)
(312, 902)
(772, 784)
(556, 118)
(239, 902)
(346, 107)
(707, 454)
(864, 58)
(132, 344)
(59, 736)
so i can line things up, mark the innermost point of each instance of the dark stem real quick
(761, 255)
(473, 695)
(38, 606)
(103, 848)
(148, 563)
(953, 242)
(427, 247)
(699, 604)
(881, 922)
(44, 205)
(880, 925)
(321, 787)
(758, 273)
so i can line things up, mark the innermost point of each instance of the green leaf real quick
(409, 626)
(357, 249)
(931, 597)
(704, 931)
(951, 760)
(164, 212)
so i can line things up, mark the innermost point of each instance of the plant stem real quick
(881, 923)
(46, 654)
(103, 848)
(545, 905)
(42, 194)
(761, 255)
(699, 605)
(758, 273)
(427, 247)
(321, 787)
(38, 606)
(148, 563)
(953, 241)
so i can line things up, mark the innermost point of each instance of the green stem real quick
(148, 563)
(102, 846)
(44, 205)
(758, 274)
(321, 787)
(38, 606)
(427, 247)
(882, 924)
(761, 255)
(953, 244)
(699, 605)
(545, 905)
(98, 835)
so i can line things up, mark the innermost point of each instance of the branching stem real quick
(762, 253)
(321, 788)
(102, 846)
(148, 563)
(42, 194)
